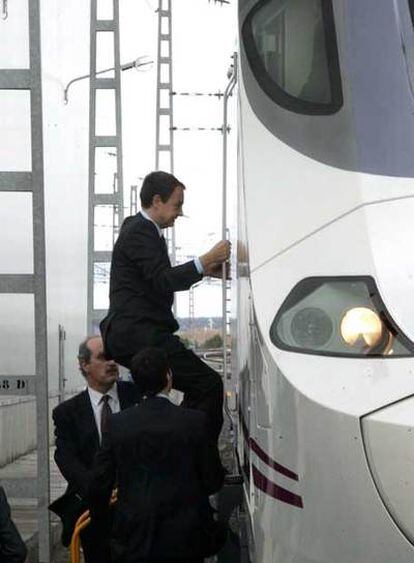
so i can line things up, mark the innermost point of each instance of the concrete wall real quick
(18, 426)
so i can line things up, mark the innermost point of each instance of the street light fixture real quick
(4, 10)
(137, 64)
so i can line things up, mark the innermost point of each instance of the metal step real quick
(233, 479)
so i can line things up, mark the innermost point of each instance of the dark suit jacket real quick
(77, 441)
(142, 289)
(165, 469)
(12, 547)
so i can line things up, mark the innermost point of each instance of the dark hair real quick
(149, 370)
(85, 353)
(158, 183)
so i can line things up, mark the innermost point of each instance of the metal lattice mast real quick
(164, 128)
(114, 199)
(133, 200)
(32, 284)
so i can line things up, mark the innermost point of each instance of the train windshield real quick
(291, 47)
(411, 5)
(338, 317)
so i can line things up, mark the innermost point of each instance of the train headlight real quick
(338, 317)
(311, 327)
(361, 323)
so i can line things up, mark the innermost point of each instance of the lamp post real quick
(137, 63)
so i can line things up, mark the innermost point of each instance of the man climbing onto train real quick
(141, 295)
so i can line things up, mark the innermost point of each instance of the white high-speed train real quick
(325, 279)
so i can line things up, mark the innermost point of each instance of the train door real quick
(253, 400)
(244, 385)
(260, 377)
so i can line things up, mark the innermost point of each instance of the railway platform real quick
(24, 511)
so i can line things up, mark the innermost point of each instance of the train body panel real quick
(387, 435)
(303, 195)
(326, 197)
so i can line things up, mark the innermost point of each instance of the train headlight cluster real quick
(338, 317)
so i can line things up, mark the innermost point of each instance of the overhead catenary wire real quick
(199, 129)
(217, 95)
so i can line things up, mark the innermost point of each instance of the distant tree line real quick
(214, 342)
(213, 323)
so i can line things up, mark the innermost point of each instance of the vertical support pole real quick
(191, 315)
(165, 127)
(224, 230)
(39, 261)
(62, 379)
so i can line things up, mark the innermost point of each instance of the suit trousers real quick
(201, 385)
(95, 545)
(192, 560)
(181, 560)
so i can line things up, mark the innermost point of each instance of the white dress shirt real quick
(96, 402)
(146, 216)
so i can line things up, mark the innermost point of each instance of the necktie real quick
(105, 413)
(164, 243)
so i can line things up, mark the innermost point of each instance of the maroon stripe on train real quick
(271, 462)
(263, 455)
(273, 490)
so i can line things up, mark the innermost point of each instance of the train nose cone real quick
(389, 445)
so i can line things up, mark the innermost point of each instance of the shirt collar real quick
(96, 396)
(146, 216)
(163, 396)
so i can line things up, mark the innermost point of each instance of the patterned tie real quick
(105, 413)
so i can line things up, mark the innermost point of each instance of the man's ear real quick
(156, 200)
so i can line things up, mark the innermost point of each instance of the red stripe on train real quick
(271, 462)
(263, 455)
(275, 491)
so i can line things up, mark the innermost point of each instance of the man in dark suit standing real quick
(79, 422)
(141, 295)
(165, 467)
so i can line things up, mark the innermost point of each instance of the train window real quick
(338, 317)
(411, 5)
(292, 51)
